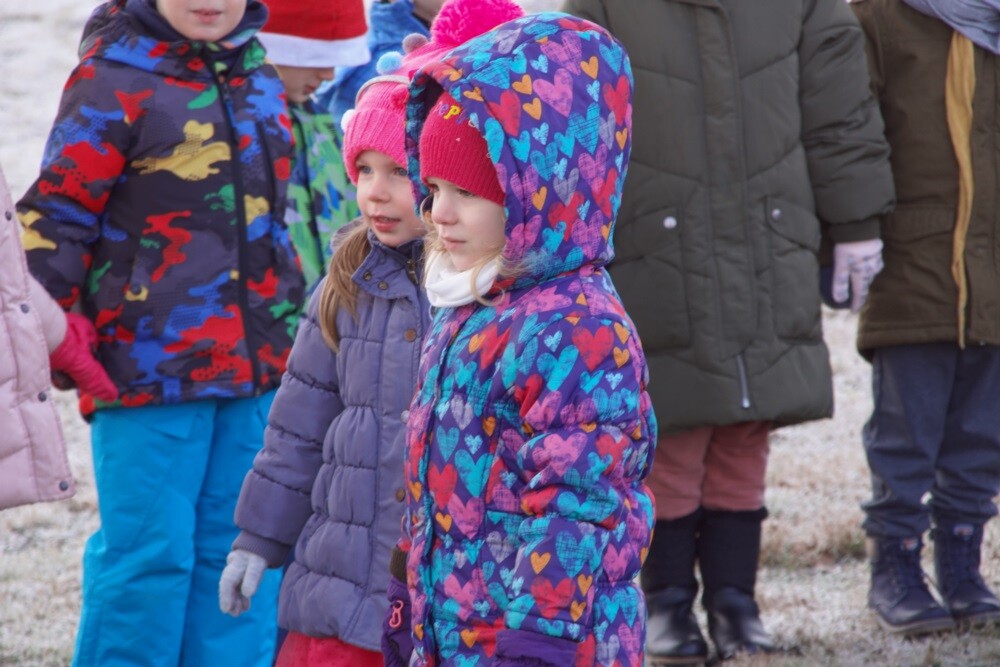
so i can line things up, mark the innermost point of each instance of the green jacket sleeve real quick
(842, 128)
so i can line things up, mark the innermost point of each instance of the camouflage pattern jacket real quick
(155, 208)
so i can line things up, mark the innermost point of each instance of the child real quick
(33, 465)
(531, 430)
(931, 326)
(158, 208)
(391, 21)
(329, 480)
(328, 477)
(305, 40)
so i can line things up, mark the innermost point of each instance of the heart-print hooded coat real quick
(531, 430)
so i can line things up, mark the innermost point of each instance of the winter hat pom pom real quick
(413, 41)
(461, 20)
(345, 120)
(389, 62)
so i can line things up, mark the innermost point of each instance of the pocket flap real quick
(791, 221)
(910, 224)
(647, 233)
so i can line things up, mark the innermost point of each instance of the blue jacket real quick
(389, 24)
(329, 479)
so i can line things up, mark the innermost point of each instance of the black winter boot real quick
(957, 549)
(728, 554)
(899, 596)
(672, 633)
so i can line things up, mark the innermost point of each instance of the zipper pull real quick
(396, 619)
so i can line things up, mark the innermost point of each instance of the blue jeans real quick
(935, 429)
(168, 478)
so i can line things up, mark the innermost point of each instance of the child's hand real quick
(239, 581)
(855, 266)
(75, 358)
(397, 643)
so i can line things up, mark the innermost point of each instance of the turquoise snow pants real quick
(168, 478)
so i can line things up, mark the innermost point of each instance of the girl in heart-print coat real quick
(531, 430)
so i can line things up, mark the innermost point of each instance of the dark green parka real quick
(753, 127)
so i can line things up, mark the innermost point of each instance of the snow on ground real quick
(814, 579)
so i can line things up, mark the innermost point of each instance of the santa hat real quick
(315, 33)
(378, 119)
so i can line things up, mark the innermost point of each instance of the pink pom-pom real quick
(461, 20)
(413, 41)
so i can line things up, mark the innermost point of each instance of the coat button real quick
(25, 308)
(400, 495)
(368, 275)
(404, 416)
(42, 396)
(8, 215)
(776, 214)
(410, 335)
(63, 485)
(669, 222)
(383, 284)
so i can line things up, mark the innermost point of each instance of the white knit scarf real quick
(448, 288)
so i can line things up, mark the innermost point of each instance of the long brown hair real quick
(339, 289)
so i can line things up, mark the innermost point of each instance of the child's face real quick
(301, 82)
(386, 199)
(470, 228)
(203, 20)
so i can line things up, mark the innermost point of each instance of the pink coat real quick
(33, 464)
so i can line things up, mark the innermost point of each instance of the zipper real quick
(741, 372)
(241, 224)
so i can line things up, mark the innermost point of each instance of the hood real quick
(115, 32)
(551, 94)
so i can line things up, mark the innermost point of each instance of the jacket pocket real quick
(649, 274)
(794, 235)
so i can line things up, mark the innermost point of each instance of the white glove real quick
(855, 266)
(239, 581)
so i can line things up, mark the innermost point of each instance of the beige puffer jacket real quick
(33, 464)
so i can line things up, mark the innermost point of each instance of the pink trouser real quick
(715, 467)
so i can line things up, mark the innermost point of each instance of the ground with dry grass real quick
(813, 578)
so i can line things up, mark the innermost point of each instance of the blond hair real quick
(339, 288)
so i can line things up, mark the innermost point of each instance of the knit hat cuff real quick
(442, 155)
(374, 129)
(294, 51)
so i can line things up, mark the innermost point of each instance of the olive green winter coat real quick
(752, 123)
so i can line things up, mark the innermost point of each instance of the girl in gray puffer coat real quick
(329, 480)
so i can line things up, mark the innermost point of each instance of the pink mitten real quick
(75, 358)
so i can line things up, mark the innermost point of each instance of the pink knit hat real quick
(378, 119)
(376, 122)
(451, 149)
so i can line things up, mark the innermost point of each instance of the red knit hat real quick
(376, 122)
(453, 150)
(315, 33)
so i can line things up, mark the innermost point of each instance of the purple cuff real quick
(397, 644)
(275, 553)
(530, 649)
